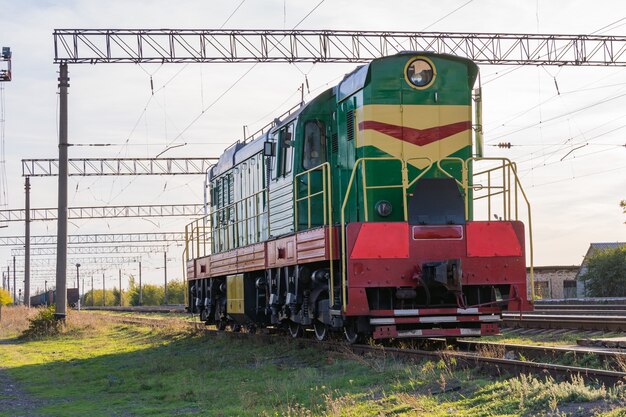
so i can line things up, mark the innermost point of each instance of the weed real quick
(15, 320)
(491, 351)
(44, 324)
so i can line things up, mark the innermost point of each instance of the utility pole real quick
(78, 283)
(140, 287)
(103, 292)
(61, 277)
(120, 275)
(45, 289)
(165, 273)
(14, 282)
(93, 300)
(27, 243)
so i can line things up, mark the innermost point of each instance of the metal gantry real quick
(92, 46)
(106, 212)
(87, 167)
(92, 250)
(109, 260)
(97, 238)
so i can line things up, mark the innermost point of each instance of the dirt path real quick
(14, 399)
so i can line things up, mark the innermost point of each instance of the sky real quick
(567, 125)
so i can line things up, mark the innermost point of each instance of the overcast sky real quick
(545, 112)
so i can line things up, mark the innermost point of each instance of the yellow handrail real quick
(327, 214)
(343, 212)
(510, 200)
(325, 170)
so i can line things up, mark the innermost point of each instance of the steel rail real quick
(498, 366)
(552, 321)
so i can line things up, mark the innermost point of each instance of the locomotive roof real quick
(240, 151)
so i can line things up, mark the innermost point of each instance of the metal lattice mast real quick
(92, 250)
(105, 212)
(97, 238)
(112, 260)
(86, 167)
(91, 46)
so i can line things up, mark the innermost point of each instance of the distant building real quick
(555, 281)
(581, 291)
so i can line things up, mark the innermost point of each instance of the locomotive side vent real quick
(350, 124)
(334, 145)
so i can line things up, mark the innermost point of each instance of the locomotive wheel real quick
(295, 330)
(204, 315)
(321, 331)
(350, 333)
(221, 325)
(235, 328)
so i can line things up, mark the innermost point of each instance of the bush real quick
(606, 273)
(5, 298)
(43, 324)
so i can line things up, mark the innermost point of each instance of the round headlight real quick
(383, 208)
(420, 73)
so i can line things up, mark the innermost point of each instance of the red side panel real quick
(487, 239)
(380, 240)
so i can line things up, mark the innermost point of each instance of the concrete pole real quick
(61, 277)
(104, 291)
(78, 283)
(140, 287)
(120, 275)
(45, 289)
(93, 300)
(27, 243)
(165, 273)
(14, 282)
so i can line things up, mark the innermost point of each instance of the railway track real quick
(174, 308)
(473, 359)
(577, 321)
(597, 317)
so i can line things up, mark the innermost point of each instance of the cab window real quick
(284, 160)
(314, 148)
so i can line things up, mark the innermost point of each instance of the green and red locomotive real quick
(358, 213)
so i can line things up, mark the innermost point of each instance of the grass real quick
(14, 320)
(98, 368)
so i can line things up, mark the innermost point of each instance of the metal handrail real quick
(361, 161)
(326, 194)
(509, 169)
(325, 169)
(234, 223)
(510, 203)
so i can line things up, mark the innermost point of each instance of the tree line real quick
(151, 295)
